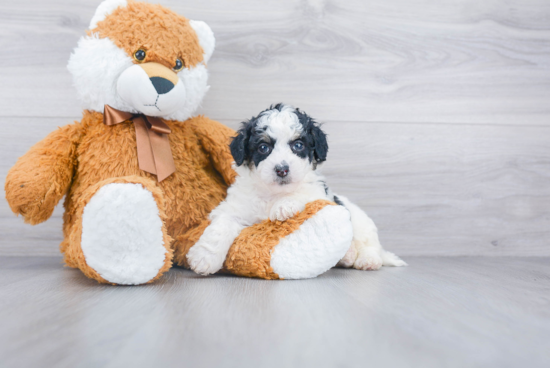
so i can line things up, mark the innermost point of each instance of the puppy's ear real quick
(316, 138)
(239, 145)
(320, 148)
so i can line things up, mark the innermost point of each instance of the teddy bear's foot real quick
(318, 245)
(117, 233)
(122, 235)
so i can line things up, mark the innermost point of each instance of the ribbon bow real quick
(153, 146)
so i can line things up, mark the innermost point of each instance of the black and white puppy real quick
(277, 154)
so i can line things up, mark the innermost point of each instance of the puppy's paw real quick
(284, 209)
(204, 261)
(349, 258)
(368, 259)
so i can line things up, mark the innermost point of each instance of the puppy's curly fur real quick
(277, 154)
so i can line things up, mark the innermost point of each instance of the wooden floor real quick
(438, 312)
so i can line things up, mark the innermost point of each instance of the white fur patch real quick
(206, 38)
(96, 64)
(104, 9)
(195, 81)
(283, 125)
(316, 246)
(391, 259)
(122, 234)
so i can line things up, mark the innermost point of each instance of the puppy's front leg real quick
(285, 208)
(208, 254)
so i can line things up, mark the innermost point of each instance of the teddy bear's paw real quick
(319, 243)
(284, 209)
(204, 260)
(122, 236)
(368, 258)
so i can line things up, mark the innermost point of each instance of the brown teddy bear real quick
(139, 172)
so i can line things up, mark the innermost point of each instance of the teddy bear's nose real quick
(162, 85)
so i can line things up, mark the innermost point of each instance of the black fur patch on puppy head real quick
(314, 138)
(239, 143)
(244, 147)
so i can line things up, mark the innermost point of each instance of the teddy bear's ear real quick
(104, 9)
(206, 37)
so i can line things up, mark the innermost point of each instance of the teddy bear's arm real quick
(215, 138)
(41, 177)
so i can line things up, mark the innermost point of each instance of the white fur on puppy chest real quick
(122, 234)
(316, 246)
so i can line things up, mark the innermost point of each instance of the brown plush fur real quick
(163, 34)
(40, 178)
(77, 157)
(250, 254)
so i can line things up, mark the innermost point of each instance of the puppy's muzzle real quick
(282, 170)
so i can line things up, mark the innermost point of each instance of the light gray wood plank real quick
(447, 189)
(432, 189)
(438, 312)
(395, 61)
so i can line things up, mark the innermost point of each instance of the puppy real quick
(277, 155)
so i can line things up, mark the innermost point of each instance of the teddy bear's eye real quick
(178, 66)
(140, 55)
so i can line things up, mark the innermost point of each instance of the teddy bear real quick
(140, 173)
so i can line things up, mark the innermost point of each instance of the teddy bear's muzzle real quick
(162, 78)
(152, 89)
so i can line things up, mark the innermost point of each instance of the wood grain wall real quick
(438, 111)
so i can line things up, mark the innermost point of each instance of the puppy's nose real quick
(162, 85)
(282, 170)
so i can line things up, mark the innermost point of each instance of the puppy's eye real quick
(298, 146)
(264, 148)
(140, 55)
(179, 65)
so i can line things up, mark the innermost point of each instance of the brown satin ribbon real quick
(153, 146)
